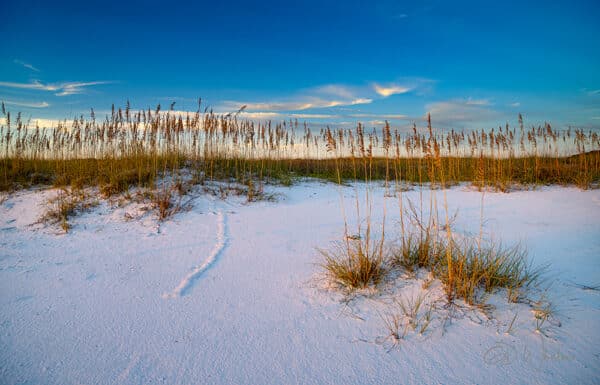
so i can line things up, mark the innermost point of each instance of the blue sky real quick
(471, 64)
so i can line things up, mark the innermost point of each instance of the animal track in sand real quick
(188, 281)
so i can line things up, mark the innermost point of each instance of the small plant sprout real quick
(542, 310)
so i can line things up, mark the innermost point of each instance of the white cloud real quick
(61, 89)
(515, 104)
(26, 65)
(390, 90)
(26, 104)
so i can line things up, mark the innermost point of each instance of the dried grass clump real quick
(65, 205)
(468, 266)
(356, 263)
(167, 199)
(487, 268)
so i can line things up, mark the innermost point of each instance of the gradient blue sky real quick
(471, 64)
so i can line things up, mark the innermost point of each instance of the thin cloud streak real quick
(26, 104)
(478, 102)
(313, 116)
(379, 116)
(297, 105)
(325, 96)
(60, 89)
(26, 65)
(338, 90)
(77, 88)
(278, 115)
(29, 86)
(461, 112)
(283, 115)
(259, 115)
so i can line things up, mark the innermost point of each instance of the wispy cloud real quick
(477, 102)
(515, 104)
(60, 89)
(297, 105)
(26, 104)
(326, 96)
(26, 65)
(593, 92)
(260, 115)
(312, 103)
(309, 116)
(314, 116)
(29, 86)
(41, 122)
(286, 114)
(460, 111)
(77, 87)
(278, 115)
(379, 116)
(338, 90)
(391, 89)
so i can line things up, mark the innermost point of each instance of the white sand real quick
(231, 293)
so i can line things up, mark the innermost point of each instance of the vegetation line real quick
(129, 148)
